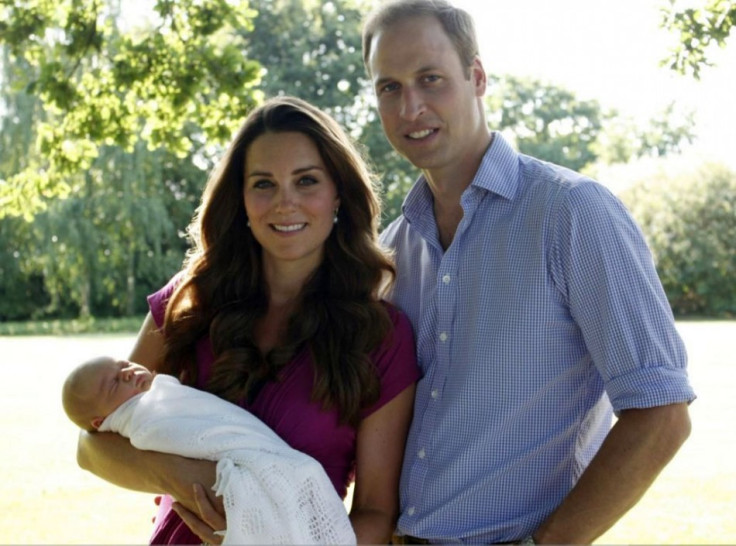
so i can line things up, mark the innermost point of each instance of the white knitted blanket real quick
(272, 493)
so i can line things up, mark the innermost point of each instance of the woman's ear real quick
(96, 422)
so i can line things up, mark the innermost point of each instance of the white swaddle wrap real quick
(272, 493)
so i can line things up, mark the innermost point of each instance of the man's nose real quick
(412, 104)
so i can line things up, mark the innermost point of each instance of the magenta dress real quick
(285, 406)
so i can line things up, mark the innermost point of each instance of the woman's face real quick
(290, 199)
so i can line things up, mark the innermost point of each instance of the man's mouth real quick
(418, 135)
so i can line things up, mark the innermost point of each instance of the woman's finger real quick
(205, 533)
(208, 511)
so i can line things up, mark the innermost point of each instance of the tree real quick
(111, 241)
(102, 249)
(698, 29)
(549, 122)
(690, 224)
(173, 84)
(623, 139)
(309, 49)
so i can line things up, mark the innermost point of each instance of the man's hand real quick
(208, 522)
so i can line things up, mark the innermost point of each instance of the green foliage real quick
(622, 139)
(549, 122)
(690, 224)
(308, 49)
(22, 288)
(108, 131)
(101, 86)
(102, 249)
(698, 29)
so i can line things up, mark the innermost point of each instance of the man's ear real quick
(96, 422)
(478, 76)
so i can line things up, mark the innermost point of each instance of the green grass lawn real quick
(91, 325)
(47, 499)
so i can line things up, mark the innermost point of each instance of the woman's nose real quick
(286, 199)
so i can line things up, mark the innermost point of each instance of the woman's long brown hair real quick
(339, 318)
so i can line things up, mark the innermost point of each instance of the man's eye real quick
(388, 88)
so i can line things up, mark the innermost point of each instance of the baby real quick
(98, 387)
(273, 494)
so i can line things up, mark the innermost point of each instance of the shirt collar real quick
(498, 173)
(499, 169)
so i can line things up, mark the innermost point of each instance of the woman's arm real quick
(148, 349)
(112, 457)
(379, 454)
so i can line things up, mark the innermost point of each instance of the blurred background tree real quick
(690, 223)
(110, 122)
(698, 29)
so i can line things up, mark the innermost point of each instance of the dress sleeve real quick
(158, 301)
(395, 360)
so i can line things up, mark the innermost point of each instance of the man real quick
(537, 310)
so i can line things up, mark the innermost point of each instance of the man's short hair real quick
(457, 23)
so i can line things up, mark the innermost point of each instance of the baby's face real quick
(116, 382)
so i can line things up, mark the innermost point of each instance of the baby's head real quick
(99, 386)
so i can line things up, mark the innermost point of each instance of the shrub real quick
(690, 223)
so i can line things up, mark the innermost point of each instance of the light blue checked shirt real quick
(545, 306)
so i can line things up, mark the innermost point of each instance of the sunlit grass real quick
(127, 325)
(47, 499)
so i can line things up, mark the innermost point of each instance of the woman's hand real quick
(208, 522)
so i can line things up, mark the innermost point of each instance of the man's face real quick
(427, 100)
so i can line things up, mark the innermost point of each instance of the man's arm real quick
(637, 448)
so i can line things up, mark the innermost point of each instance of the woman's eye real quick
(262, 184)
(307, 181)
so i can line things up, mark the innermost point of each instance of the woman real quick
(277, 309)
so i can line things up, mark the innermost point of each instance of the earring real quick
(334, 220)
(248, 223)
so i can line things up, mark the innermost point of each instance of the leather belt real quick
(408, 539)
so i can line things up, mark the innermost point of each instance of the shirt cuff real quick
(649, 388)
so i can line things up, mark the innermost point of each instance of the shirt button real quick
(410, 510)
(446, 279)
(443, 336)
(435, 394)
(422, 454)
